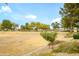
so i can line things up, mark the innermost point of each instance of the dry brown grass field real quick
(20, 43)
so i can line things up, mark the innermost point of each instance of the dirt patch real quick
(20, 43)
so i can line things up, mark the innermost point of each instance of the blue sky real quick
(21, 13)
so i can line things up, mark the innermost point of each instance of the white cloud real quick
(56, 20)
(5, 9)
(30, 17)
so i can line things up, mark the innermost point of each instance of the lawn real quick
(20, 43)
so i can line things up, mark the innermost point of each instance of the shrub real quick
(67, 47)
(76, 36)
(49, 36)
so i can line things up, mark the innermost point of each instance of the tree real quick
(70, 15)
(34, 26)
(26, 26)
(14, 26)
(55, 25)
(22, 28)
(37, 25)
(44, 26)
(6, 25)
(0, 26)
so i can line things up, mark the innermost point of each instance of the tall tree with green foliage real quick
(6, 25)
(70, 15)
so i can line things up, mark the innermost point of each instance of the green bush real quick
(76, 36)
(49, 36)
(67, 47)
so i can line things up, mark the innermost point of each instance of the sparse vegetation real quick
(67, 47)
